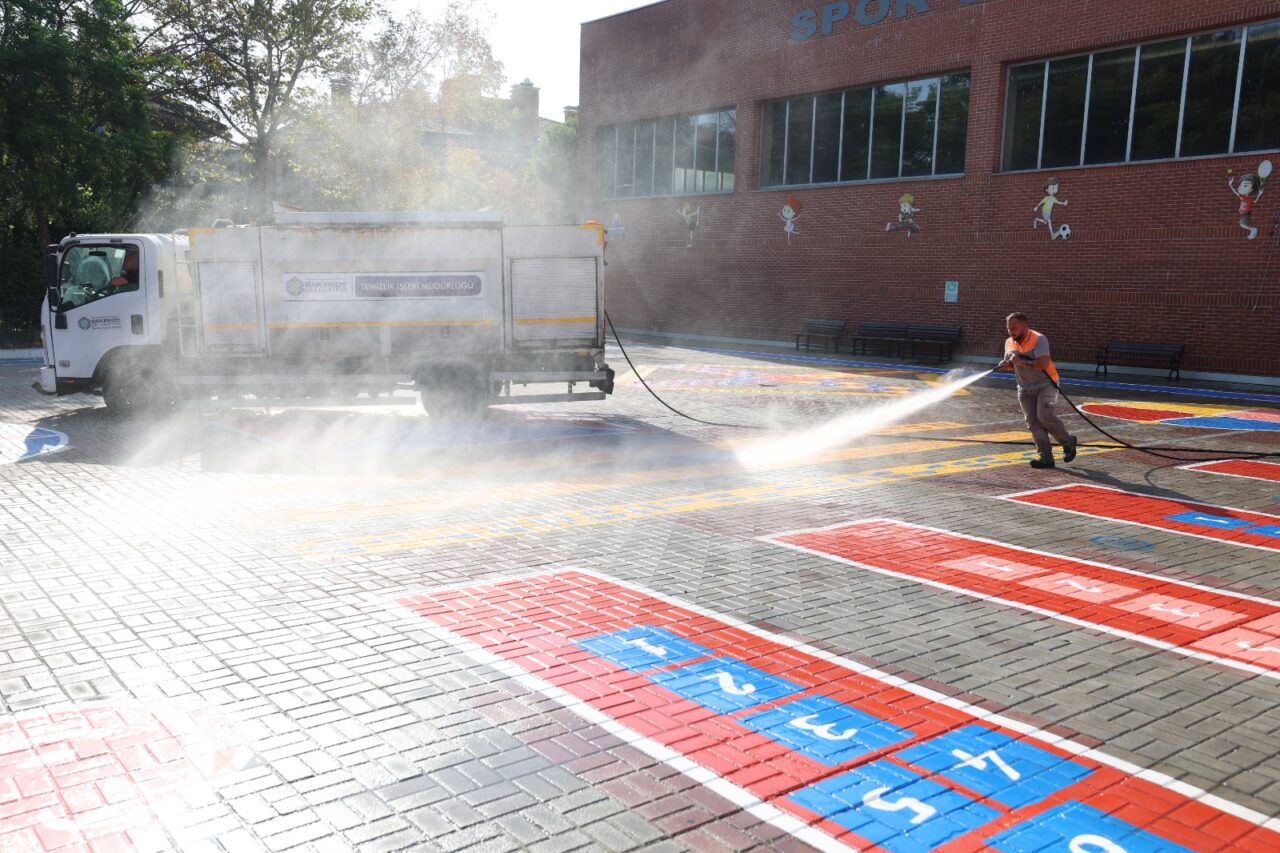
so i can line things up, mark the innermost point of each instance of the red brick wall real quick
(1156, 252)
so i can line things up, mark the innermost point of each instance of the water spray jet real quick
(803, 445)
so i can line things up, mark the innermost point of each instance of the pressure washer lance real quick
(1160, 452)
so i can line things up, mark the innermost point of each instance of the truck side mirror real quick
(51, 278)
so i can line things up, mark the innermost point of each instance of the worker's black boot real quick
(1043, 462)
(1069, 451)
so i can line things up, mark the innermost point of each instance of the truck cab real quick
(100, 317)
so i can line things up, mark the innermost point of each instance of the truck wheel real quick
(455, 395)
(128, 395)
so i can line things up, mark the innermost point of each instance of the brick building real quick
(911, 143)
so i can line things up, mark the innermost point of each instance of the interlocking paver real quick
(217, 563)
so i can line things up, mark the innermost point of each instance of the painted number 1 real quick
(980, 761)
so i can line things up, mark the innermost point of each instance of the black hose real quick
(1164, 452)
(639, 376)
(1120, 444)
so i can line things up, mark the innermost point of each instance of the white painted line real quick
(1030, 608)
(1198, 466)
(1190, 504)
(735, 794)
(1155, 777)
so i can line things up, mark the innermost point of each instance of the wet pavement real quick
(592, 627)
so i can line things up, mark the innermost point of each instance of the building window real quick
(684, 155)
(1202, 95)
(900, 130)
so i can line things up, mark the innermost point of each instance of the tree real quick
(253, 62)
(554, 167)
(77, 144)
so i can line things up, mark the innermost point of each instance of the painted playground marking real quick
(833, 752)
(23, 441)
(1232, 629)
(1249, 469)
(1189, 415)
(1203, 521)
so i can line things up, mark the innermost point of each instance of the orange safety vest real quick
(1028, 347)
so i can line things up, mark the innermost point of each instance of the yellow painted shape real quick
(501, 528)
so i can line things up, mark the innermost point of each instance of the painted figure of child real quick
(1248, 184)
(1044, 210)
(906, 216)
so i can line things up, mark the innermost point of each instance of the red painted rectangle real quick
(1248, 468)
(1157, 513)
(527, 627)
(1189, 618)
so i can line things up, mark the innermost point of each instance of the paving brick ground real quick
(201, 646)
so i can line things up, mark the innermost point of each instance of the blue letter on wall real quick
(832, 13)
(905, 6)
(806, 25)
(866, 18)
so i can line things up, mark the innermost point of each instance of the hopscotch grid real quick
(738, 796)
(1028, 730)
(1039, 611)
(772, 537)
(1202, 467)
(1013, 498)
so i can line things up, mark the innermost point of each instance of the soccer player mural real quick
(1044, 211)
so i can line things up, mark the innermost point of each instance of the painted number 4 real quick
(980, 762)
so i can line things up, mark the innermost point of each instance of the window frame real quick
(1187, 39)
(938, 78)
(672, 123)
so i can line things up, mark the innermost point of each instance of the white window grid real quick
(696, 120)
(1244, 30)
(871, 133)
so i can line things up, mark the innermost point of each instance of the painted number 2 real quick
(728, 685)
(920, 811)
(980, 761)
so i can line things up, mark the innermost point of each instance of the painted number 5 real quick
(1094, 844)
(980, 762)
(920, 811)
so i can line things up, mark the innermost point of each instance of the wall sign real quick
(808, 23)
(952, 292)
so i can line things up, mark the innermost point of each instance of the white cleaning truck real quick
(327, 306)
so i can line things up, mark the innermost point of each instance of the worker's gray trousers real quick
(1038, 406)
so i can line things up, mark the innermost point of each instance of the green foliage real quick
(77, 144)
(554, 169)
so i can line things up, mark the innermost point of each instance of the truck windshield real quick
(90, 273)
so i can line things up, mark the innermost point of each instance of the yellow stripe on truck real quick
(555, 321)
(400, 324)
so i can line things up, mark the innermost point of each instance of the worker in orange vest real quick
(1027, 353)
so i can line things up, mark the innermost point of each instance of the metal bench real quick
(941, 338)
(886, 337)
(827, 331)
(1135, 352)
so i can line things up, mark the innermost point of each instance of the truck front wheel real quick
(129, 393)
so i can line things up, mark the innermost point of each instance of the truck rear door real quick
(554, 281)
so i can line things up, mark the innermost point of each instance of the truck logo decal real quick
(418, 285)
(294, 287)
(306, 286)
(87, 323)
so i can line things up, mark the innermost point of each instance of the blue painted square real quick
(1073, 826)
(825, 730)
(894, 808)
(724, 685)
(1204, 519)
(643, 648)
(1272, 530)
(1011, 772)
